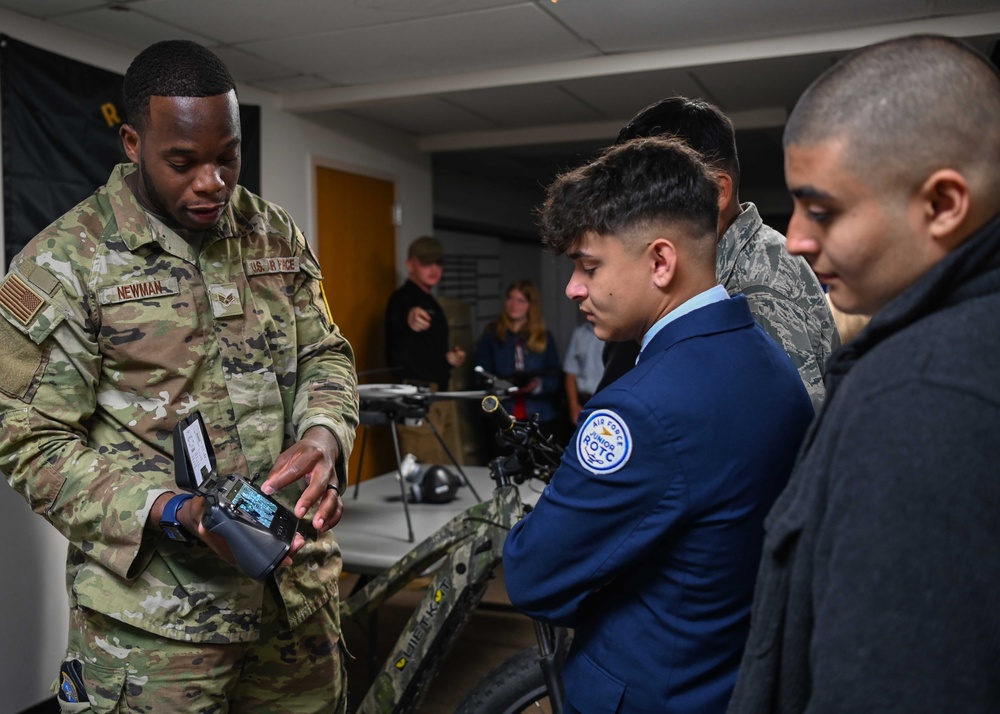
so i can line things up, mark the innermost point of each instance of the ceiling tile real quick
(50, 8)
(248, 68)
(490, 39)
(952, 7)
(422, 116)
(294, 83)
(125, 28)
(652, 24)
(622, 96)
(525, 106)
(762, 83)
(234, 21)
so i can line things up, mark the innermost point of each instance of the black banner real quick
(60, 121)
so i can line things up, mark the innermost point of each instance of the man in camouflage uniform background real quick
(785, 297)
(172, 289)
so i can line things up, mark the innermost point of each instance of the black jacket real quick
(417, 357)
(879, 587)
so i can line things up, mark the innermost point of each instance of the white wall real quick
(33, 600)
(291, 147)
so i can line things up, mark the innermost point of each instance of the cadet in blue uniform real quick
(648, 537)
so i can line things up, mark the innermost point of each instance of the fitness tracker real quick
(169, 523)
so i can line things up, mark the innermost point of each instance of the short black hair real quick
(905, 108)
(645, 181)
(697, 123)
(172, 68)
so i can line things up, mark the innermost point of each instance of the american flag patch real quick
(20, 299)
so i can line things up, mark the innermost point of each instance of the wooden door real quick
(356, 248)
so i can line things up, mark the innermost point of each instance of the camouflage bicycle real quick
(471, 546)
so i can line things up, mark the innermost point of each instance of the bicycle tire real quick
(511, 687)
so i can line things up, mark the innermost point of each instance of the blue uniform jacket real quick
(648, 538)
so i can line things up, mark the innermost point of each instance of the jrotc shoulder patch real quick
(603, 444)
(21, 300)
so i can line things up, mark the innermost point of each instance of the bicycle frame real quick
(471, 545)
(469, 548)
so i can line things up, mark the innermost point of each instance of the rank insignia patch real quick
(20, 299)
(225, 300)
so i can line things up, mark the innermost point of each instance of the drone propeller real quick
(493, 383)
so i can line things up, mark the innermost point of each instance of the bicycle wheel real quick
(516, 685)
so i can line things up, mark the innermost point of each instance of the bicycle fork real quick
(549, 645)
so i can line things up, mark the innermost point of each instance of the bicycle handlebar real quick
(535, 454)
(500, 417)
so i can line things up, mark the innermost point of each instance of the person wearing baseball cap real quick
(416, 331)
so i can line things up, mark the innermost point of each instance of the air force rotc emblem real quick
(604, 443)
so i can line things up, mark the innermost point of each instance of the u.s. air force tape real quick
(604, 443)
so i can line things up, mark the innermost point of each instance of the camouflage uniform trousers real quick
(126, 669)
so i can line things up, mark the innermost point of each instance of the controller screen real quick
(253, 503)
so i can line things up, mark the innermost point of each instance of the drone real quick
(408, 404)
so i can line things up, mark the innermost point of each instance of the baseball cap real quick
(427, 250)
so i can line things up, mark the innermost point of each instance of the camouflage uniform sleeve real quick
(789, 325)
(52, 358)
(326, 394)
(784, 295)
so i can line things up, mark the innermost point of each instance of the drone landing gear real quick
(385, 413)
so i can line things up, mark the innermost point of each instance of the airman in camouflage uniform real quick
(785, 297)
(115, 326)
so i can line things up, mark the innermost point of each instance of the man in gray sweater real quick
(879, 587)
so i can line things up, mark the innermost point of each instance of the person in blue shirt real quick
(647, 539)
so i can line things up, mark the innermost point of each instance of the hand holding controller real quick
(256, 529)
